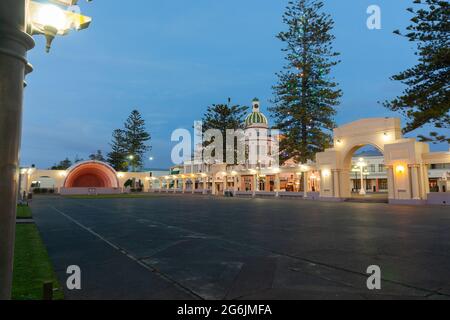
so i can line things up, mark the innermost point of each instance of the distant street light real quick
(131, 162)
(19, 20)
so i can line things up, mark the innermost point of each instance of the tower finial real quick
(256, 105)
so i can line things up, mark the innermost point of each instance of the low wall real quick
(89, 191)
(291, 194)
(441, 198)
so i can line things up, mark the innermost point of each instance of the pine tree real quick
(77, 159)
(427, 98)
(223, 117)
(62, 165)
(136, 138)
(306, 95)
(117, 156)
(98, 156)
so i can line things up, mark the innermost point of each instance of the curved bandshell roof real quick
(91, 174)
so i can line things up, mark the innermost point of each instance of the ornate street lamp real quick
(19, 20)
(361, 164)
(53, 18)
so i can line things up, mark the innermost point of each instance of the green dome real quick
(255, 118)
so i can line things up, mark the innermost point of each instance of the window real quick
(441, 166)
(382, 184)
(381, 168)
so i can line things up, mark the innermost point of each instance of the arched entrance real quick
(367, 174)
(91, 176)
(406, 172)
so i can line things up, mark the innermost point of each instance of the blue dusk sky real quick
(171, 59)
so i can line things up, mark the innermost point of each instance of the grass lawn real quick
(32, 266)
(114, 196)
(24, 212)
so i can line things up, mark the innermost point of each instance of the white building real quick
(407, 172)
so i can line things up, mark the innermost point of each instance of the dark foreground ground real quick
(193, 247)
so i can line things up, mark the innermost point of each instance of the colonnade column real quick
(213, 189)
(184, 185)
(225, 184)
(205, 185)
(305, 184)
(193, 185)
(391, 182)
(425, 180)
(415, 182)
(277, 185)
(336, 184)
(321, 186)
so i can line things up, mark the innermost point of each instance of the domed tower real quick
(256, 119)
(257, 133)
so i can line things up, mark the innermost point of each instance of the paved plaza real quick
(200, 247)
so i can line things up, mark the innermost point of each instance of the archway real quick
(91, 174)
(368, 180)
(407, 174)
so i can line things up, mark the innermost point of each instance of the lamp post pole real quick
(14, 44)
(362, 191)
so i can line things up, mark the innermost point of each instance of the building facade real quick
(405, 170)
(87, 177)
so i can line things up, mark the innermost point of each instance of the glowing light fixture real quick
(400, 169)
(53, 18)
(304, 168)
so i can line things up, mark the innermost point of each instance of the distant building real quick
(87, 177)
(321, 179)
(375, 174)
